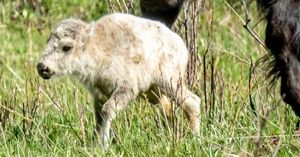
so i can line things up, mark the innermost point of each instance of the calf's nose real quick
(41, 67)
(43, 71)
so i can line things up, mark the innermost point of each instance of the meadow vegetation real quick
(241, 113)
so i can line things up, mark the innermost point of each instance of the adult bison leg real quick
(165, 11)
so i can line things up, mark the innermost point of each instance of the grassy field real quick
(55, 118)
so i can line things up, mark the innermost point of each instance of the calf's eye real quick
(66, 48)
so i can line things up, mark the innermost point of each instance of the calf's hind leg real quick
(188, 101)
(191, 108)
(157, 97)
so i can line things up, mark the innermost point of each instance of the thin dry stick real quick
(111, 6)
(209, 20)
(276, 150)
(23, 121)
(221, 95)
(212, 87)
(211, 104)
(130, 6)
(82, 127)
(165, 118)
(125, 6)
(251, 70)
(262, 121)
(264, 137)
(63, 114)
(36, 100)
(16, 113)
(4, 115)
(191, 21)
(120, 6)
(246, 23)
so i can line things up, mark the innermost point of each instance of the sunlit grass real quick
(55, 118)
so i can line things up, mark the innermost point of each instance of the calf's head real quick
(64, 46)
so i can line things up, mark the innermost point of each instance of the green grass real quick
(55, 118)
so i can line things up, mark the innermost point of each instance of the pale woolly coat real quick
(118, 58)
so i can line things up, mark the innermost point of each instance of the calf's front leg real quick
(118, 101)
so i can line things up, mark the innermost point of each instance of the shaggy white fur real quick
(118, 58)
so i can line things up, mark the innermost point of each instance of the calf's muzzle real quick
(44, 71)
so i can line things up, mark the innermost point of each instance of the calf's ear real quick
(88, 32)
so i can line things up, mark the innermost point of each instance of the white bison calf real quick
(118, 58)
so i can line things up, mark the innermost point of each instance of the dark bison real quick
(165, 11)
(282, 38)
